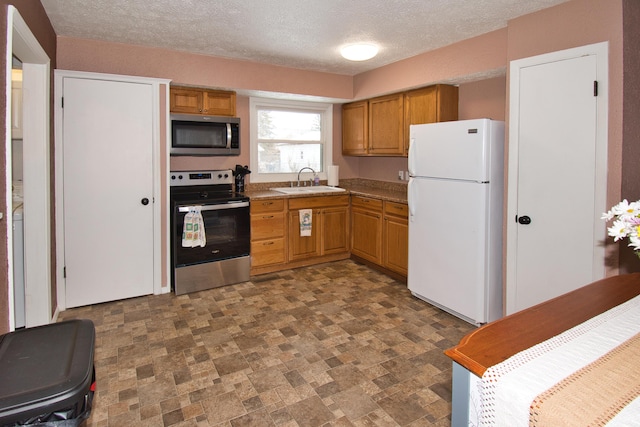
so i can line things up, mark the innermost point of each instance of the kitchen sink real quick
(308, 190)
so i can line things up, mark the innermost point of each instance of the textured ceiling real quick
(304, 34)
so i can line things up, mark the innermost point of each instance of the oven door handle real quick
(219, 207)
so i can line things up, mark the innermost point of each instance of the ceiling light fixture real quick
(359, 51)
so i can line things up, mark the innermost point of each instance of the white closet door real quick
(107, 154)
(555, 180)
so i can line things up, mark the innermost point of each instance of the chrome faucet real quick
(306, 167)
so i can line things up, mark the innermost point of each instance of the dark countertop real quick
(387, 191)
(387, 194)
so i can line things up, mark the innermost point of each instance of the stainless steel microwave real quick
(193, 135)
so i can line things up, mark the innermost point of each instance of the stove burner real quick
(203, 186)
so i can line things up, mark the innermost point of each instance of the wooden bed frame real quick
(497, 341)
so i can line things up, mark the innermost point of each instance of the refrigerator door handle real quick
(411, 155)
(411, 197)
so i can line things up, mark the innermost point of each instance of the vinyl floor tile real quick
(335, 344)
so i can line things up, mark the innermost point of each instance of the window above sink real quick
(286, 136)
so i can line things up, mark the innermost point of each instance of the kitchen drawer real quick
(317, 202)
(397, 209)
(268, 205)
(366, 202)
(267, 252)
(266, 225)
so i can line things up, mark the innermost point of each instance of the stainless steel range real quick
(224, 259)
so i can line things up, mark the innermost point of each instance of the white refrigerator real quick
(455, 199)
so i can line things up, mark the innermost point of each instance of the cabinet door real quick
(303, 247)
(438, 103)
(366, 234)
(187, 101)
(355, 128)
(335, 230)
(386, 125)
(219, 103)
(396, 247)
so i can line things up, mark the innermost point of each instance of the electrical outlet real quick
(400, 175)
(406, 175)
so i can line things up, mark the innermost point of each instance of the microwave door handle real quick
(228, 136)
(215, 207)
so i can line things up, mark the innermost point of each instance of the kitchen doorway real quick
(557, 174)
(36, 173)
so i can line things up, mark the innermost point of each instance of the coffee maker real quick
(239, 173)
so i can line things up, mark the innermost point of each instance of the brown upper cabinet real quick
(380, 126)
(386, 130)
(355, 128)
(210, 102)
(438, 103)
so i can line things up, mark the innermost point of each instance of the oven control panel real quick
(183, 178)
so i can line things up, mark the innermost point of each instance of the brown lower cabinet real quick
(268, 234)
(370, 229)
(366, 228)
(395, 237)
(329, 230)
(380, 233)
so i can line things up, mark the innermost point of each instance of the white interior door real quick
(554, 180)
(108, 171)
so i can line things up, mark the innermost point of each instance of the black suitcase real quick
(47, 374)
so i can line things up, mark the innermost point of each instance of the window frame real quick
(326, 129)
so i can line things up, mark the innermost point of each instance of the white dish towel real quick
(306, 218)
(193, 234)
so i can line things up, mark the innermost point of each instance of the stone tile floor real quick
(336, 344)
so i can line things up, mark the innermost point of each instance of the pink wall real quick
(483, 99)
(630, 123)
(201, 70)
(464, 61)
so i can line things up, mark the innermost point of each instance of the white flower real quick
(618, 230)
(626, 223)
(626, 209)
(634, 241)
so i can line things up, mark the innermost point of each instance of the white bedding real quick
(509, 388)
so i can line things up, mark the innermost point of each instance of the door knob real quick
(524, 220)
(144, 201)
